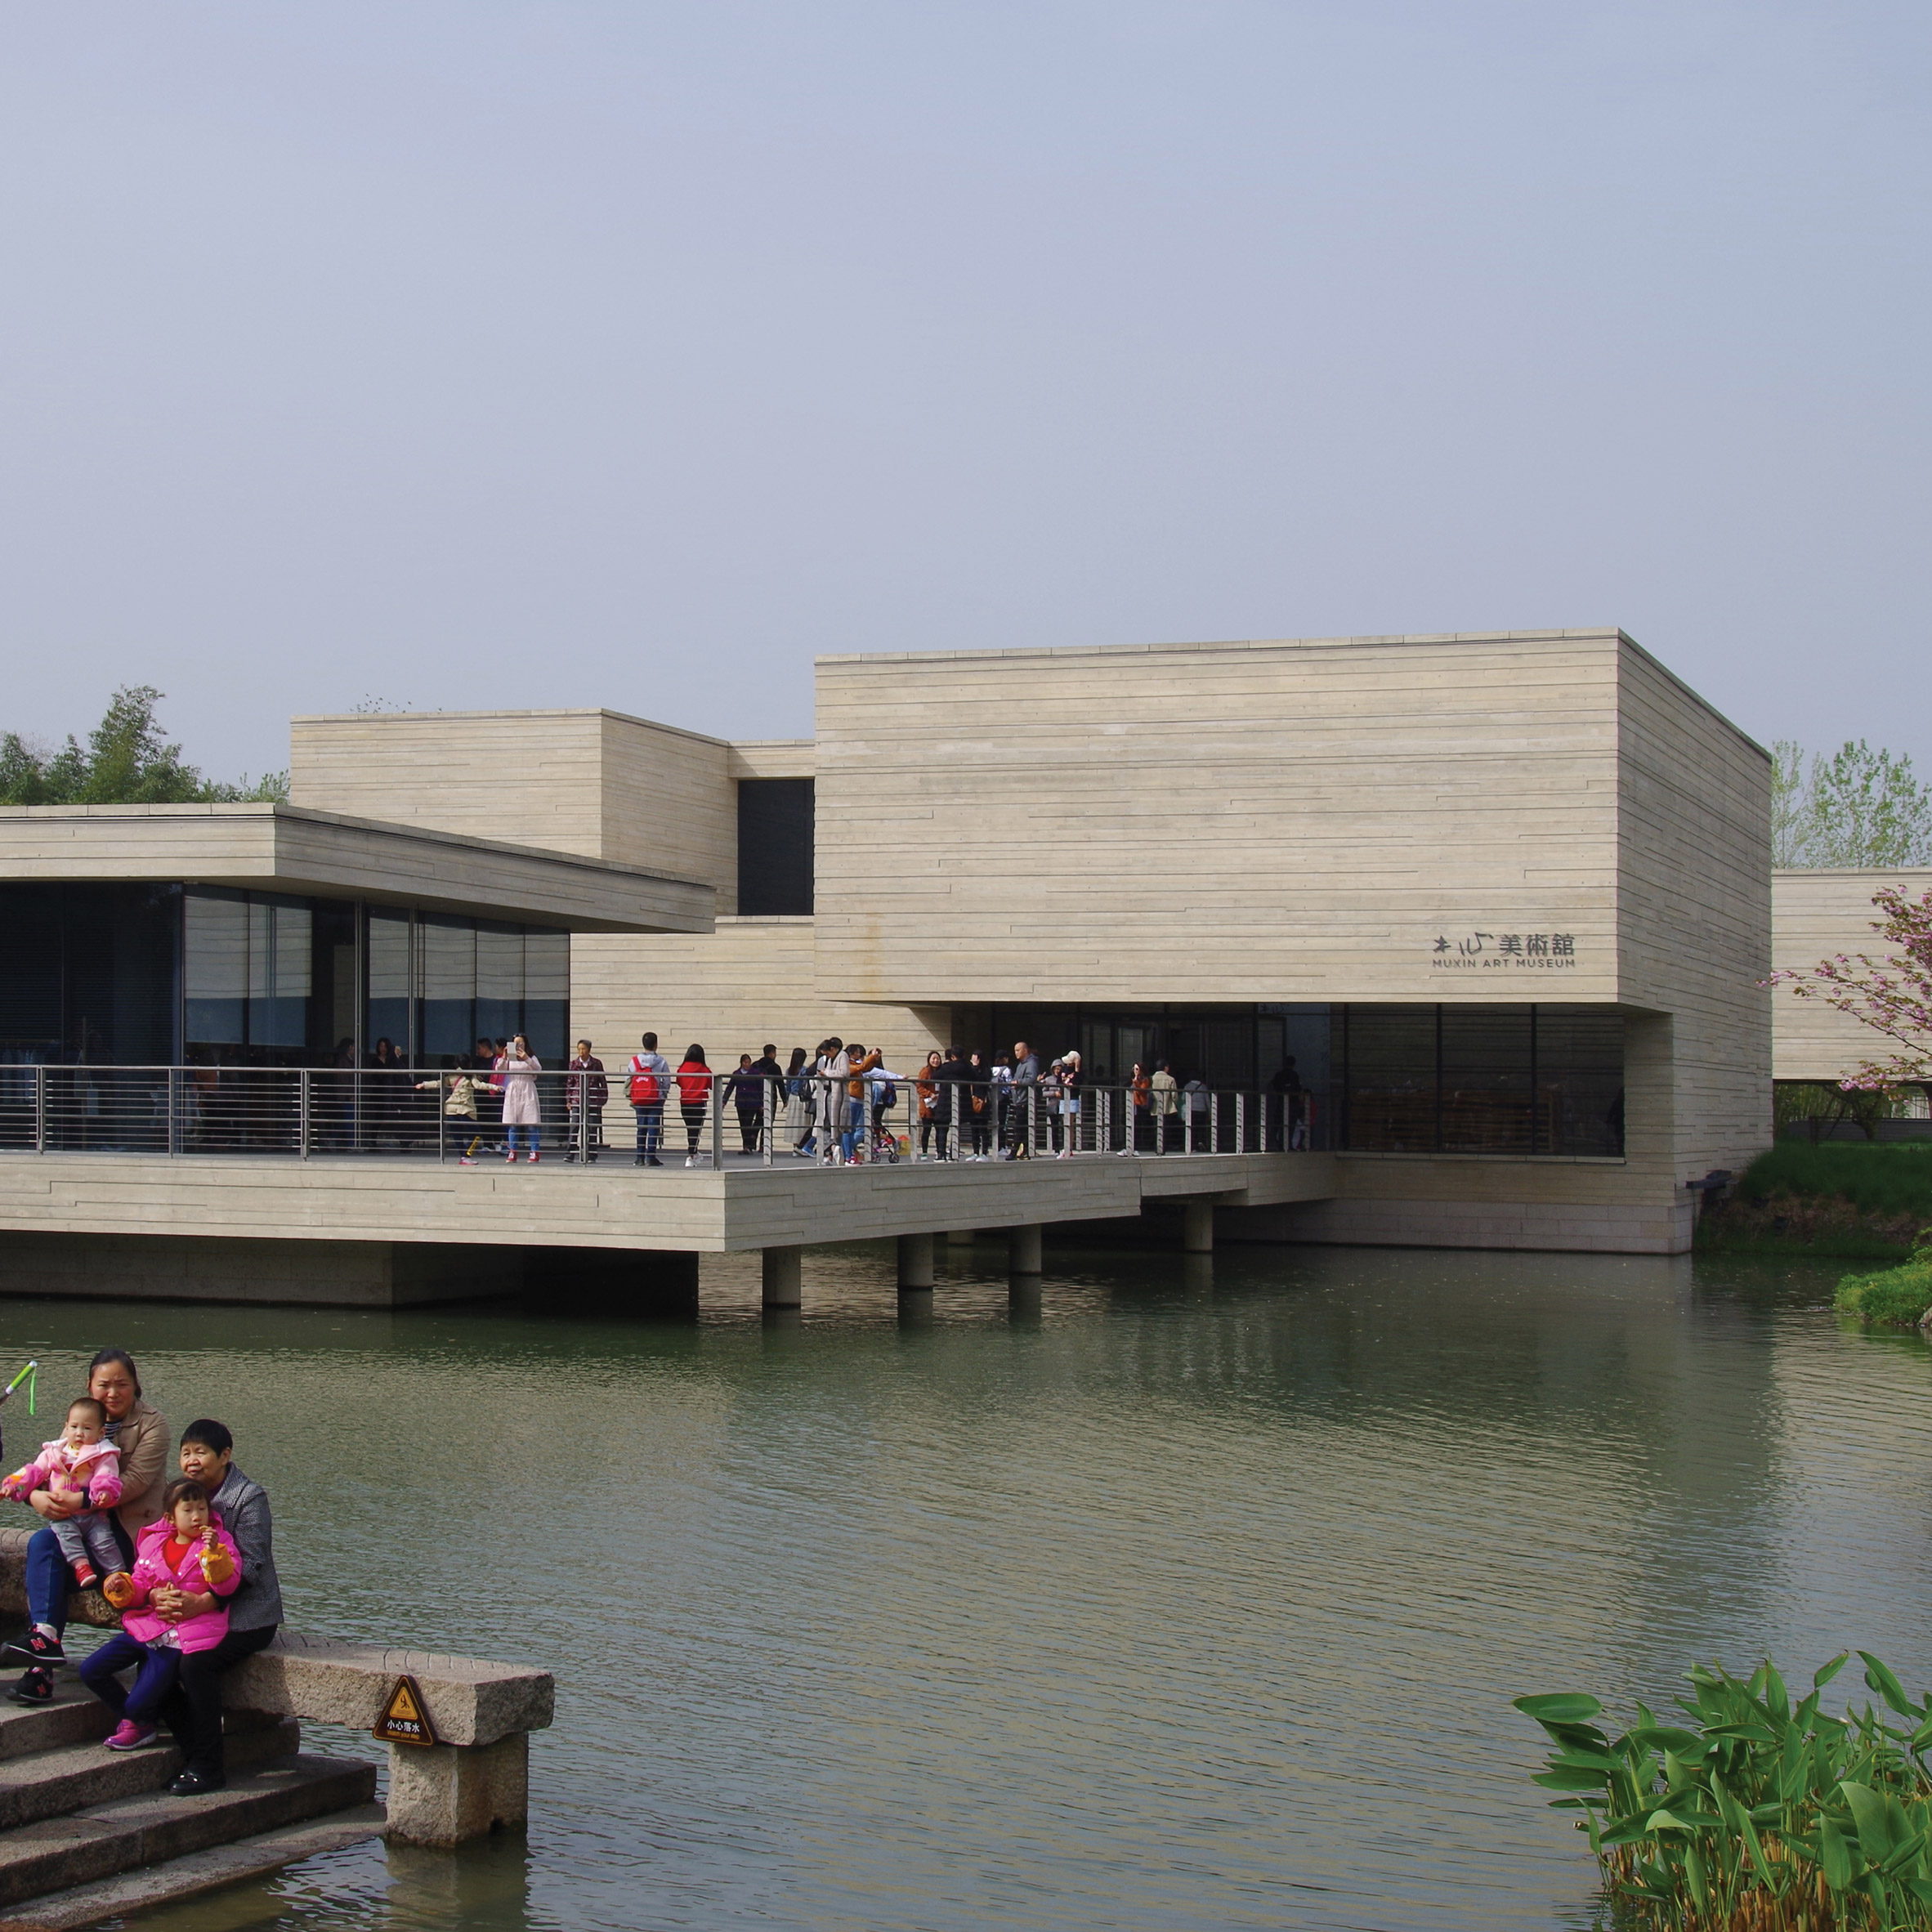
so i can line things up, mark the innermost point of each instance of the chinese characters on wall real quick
(1483, 952)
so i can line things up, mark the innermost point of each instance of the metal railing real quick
(468, 1116)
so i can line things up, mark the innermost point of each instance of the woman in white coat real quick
(517, 1070)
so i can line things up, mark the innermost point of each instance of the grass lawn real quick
(1841, 1197)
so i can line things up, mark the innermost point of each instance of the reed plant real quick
(1755, 1814)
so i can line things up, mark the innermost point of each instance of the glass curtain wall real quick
(267, 980)
(90, 974)
(1481, 1079)
(444, 989)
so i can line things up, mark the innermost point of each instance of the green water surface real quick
(1186, 1595)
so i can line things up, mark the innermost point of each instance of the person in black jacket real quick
(193, 1709)
(952, 1104)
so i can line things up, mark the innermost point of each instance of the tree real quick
(1893, 995)
(1858, 808)
(127, 760)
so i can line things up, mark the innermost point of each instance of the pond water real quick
(1190, 1595)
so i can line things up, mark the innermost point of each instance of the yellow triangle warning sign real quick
(406, 1717)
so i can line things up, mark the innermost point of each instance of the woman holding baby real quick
(139, 1434)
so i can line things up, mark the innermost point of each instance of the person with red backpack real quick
(694, 1096)
(647, 1087)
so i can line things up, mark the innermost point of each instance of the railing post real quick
(302, 1116)
(174, 1121)
(717, 1123)
(773, 1090)
(1214, 1121)
(40, 1108)
(1240, 1123)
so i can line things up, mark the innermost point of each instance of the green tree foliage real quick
(126, 760)
(1857, 807)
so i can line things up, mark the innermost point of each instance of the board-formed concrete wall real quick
(1694, 915)
(1815, 914)
(1329, 818)
(289, 849)
(750, 982)
(599, 782)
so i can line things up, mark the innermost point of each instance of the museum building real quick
(1503, 900)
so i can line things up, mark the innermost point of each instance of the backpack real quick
(888, 1096)
(644, 1089)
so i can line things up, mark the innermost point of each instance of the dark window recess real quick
(775, 857)
(1481, 1079)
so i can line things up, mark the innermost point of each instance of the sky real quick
(489, 355)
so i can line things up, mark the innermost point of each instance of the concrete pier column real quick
(915, 1261)
(1022, 1249)
(784, 1277)
(444, 1794)
(1197, 1227)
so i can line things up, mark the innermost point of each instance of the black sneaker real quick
(37, 1648)
(654, 1162)
(197, 1784)
(36, 1687)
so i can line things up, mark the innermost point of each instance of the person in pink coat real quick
(188, 1549)
(82, 1469)
(516, 1069)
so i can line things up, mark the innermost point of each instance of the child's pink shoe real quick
(130, 1736)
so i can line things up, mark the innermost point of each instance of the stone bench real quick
(473, 1780)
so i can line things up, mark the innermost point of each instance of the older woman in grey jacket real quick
(193, 1712)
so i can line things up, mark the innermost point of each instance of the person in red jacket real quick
(694, 1096)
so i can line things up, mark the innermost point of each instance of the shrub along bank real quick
(1902, 1295)
(1837, 1198)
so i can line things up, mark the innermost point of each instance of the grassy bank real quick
(1865, 1202)
(1900, 1294)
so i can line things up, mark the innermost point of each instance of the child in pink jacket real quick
(188, 1551)
(83, 1467)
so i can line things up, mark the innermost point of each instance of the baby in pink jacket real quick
(80, 1467)
(188, 1551)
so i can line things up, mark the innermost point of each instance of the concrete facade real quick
(288, 849)
(1295, 820)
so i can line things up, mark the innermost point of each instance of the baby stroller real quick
(881, 1145)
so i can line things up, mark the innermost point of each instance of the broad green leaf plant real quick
(1756, 1814)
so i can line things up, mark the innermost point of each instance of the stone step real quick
(74, 1717)
(71, 1775)
(189, 1877)
(83, 1847)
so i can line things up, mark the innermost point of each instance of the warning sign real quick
(406, 1717)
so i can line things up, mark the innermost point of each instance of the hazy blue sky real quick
(563, 353)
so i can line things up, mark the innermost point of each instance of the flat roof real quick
(295, 849)
(1605, 632)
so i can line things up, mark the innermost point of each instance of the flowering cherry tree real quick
(1892, 995)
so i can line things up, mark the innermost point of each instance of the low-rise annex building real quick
(1816, 914)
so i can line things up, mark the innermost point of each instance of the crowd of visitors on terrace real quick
(841, 1103)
